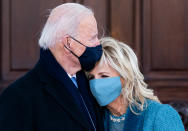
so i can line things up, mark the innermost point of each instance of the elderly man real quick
(54, 95)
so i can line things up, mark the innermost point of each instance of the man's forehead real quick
(88, 21)
(88, 25)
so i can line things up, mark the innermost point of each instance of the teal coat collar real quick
(133, 122)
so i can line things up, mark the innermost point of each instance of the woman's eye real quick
(90, 77)
(104, 76)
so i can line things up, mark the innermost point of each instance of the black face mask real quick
(90, 56)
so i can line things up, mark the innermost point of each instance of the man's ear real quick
(65, 41)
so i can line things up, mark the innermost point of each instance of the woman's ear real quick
(123, 82)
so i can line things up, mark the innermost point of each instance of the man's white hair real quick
(64, 19)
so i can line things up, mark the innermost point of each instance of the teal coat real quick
(156, 117)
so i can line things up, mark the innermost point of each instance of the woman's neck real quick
(118, 107)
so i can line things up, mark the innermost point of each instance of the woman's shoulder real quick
(163, 116)
(159, 109)
(151, 105)
(154, 106)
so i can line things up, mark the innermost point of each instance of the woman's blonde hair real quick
(123, 59)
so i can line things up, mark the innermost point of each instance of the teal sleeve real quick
(168, 119)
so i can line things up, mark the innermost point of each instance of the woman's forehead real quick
(103, 67)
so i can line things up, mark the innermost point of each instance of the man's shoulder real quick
(27, 80)
(32, 78)
(26, 83)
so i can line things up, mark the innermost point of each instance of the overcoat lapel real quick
(84, 90)
(62, 96)
(91, 102)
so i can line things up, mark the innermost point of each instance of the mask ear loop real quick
(69, 49)
(77, 41)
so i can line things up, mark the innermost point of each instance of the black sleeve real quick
(11, 117)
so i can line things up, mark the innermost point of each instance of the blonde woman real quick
(118, 85)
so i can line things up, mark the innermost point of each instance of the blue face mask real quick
(105, 90)
(90, 56)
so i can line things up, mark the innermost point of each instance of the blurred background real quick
(157, 30)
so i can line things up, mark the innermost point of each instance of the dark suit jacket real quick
(38, 102)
